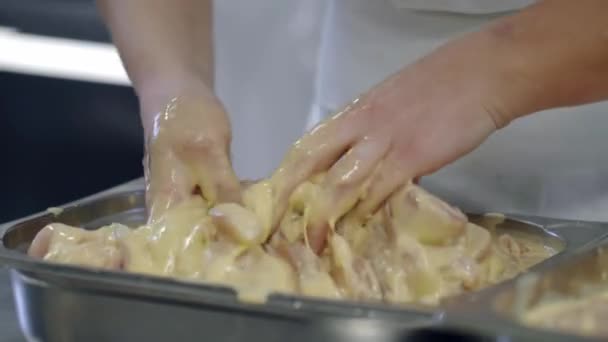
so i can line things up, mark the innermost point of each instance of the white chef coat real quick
(282, 65)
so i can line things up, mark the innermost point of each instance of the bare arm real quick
(552, 54)
(166, 47)
(443, 106)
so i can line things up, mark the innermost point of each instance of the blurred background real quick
(68, 116)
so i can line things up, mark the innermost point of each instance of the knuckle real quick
(399, 161)
(199, 145)
(408, 153)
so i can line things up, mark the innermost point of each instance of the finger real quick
(219, 183)
(343, 186)
(390, 175)
(212, 172)
(167, 181)
(314, 152)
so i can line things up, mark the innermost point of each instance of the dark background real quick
(62, 139)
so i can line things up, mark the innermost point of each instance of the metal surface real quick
(581, 276)
(9, 327)
(67, 303)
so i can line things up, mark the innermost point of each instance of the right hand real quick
(422, 118)
(187, 150)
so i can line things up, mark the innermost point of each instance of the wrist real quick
(489, 73)
(464, 74)
(154, 94)
(516, 87)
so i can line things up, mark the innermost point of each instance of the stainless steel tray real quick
(68, 303)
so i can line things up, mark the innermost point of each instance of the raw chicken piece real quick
(173, 244)
(425, 217)
(511, 247)
(313, 278)
(239, 223)
(65, 244)
(354, 274)
(252, 272)
(258, 198)
(478, 241)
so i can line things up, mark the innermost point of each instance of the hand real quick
(408, 126)
(187, 151)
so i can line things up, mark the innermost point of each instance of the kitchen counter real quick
(9, 326)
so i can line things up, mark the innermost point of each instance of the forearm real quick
(549, 55)
(164, 45)
(560, 49)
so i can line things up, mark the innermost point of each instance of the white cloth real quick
(284, 64)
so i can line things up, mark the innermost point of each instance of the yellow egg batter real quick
(415, 248)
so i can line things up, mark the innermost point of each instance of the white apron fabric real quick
(266, 55)
(283, 65)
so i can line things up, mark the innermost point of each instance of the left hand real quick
(187, 150)
(410, 125)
